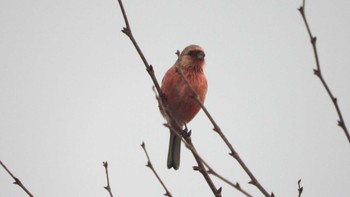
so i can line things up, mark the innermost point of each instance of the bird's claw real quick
(185, 132)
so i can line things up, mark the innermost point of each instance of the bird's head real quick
(192, 58)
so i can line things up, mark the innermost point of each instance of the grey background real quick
(74, 93)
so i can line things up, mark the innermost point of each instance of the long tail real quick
(174, 151)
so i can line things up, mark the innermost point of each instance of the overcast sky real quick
(74, 93)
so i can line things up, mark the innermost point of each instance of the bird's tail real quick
(174, 151)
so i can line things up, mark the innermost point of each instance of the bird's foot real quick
(185, 132)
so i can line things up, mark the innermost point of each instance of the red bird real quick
(178, 94)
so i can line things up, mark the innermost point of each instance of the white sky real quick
(74, 93)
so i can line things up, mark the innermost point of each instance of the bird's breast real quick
(180, 96)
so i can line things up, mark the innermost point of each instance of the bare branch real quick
(318, 73)
(108, 187)
(127, 31)
(216, 128)
(234, 185)
(17, 181)
(150, 165)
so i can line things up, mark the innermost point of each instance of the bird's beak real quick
(201, 55)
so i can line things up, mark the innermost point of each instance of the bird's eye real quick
(191, 53)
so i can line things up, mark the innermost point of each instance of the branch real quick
(318, 73)
(300, 189)
(127, 31)
(234, 185)
(108, 187)
(17, 181)
(216, 128)
(150, 165)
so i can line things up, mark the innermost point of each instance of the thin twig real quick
(216, 128)
(235, 185)
(300, 189)
(149, 68)
(108, 187)
(318, 73)
(127, 31)
(150, 165)
(17, 181)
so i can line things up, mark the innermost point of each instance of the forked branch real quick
(150, 165)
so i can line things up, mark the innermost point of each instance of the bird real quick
(179, 96)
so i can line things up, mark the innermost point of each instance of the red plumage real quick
(178, 94)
